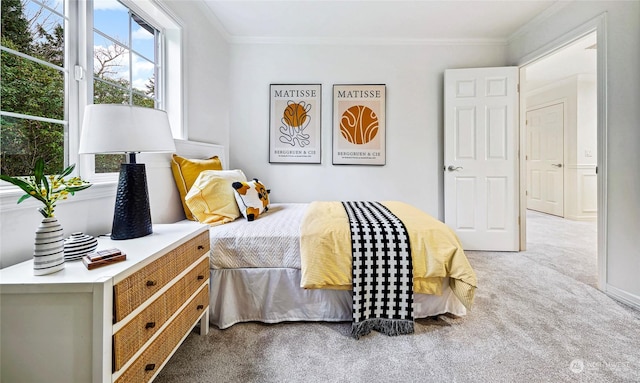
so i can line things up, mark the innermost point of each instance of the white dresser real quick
(116, 323)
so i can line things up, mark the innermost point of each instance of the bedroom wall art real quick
(359, 127)
(294, 123)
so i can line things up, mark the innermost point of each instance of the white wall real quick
(18, 224)
(206, 68)
(413, 75)
(586, 203)
(623, 120)
(206, 74)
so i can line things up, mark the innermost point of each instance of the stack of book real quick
(103, 257)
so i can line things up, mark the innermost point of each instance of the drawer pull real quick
(151, 283)
(150, 325)
(150, 367)
(200, 307)
(200, 277)
(200, 247)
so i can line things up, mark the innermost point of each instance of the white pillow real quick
(252, 198)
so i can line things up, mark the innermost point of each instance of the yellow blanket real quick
(325, 247)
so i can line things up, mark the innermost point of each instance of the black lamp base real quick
(132, 216)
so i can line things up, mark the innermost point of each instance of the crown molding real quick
(215, 21)
(248, 40)
(535, 23)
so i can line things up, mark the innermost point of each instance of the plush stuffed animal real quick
(252, 198)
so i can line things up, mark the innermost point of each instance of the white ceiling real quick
(358, 20)
(400, 21)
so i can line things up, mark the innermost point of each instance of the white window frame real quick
(169, 50)
(8, 191)
(79, 70)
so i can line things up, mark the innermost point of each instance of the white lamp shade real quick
(116, 128)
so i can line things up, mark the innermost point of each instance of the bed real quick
(257, 273)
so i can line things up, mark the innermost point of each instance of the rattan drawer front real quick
(143, 369)
(132, 291)
(131, 337)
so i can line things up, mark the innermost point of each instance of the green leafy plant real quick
(47, 189)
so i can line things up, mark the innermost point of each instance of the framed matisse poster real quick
(359, 127)
(294, 123)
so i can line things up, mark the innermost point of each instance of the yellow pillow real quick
(211, 199)
(185, 171)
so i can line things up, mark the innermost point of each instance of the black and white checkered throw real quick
(382, 271)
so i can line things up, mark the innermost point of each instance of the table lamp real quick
(116, 129)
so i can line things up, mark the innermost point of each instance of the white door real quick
(545, 158)
(481, 157)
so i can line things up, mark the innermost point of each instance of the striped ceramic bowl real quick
(79, 245)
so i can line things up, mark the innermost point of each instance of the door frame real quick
(599, 25)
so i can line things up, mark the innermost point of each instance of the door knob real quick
(557, 165)
(452, 168)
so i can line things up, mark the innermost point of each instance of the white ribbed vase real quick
(48, 251)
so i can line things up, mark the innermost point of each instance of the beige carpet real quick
(537, 318)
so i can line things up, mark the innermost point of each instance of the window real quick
(125, 64)
(35, 79)
(44, 88)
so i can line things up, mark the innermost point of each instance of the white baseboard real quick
(585, 218)
(623, 296)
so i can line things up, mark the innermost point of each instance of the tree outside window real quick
(32, 98)
(34, 89)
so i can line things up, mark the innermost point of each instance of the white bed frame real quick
(164, 199)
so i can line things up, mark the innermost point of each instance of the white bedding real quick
(272, 240)
(274, 295)
(255, 276)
